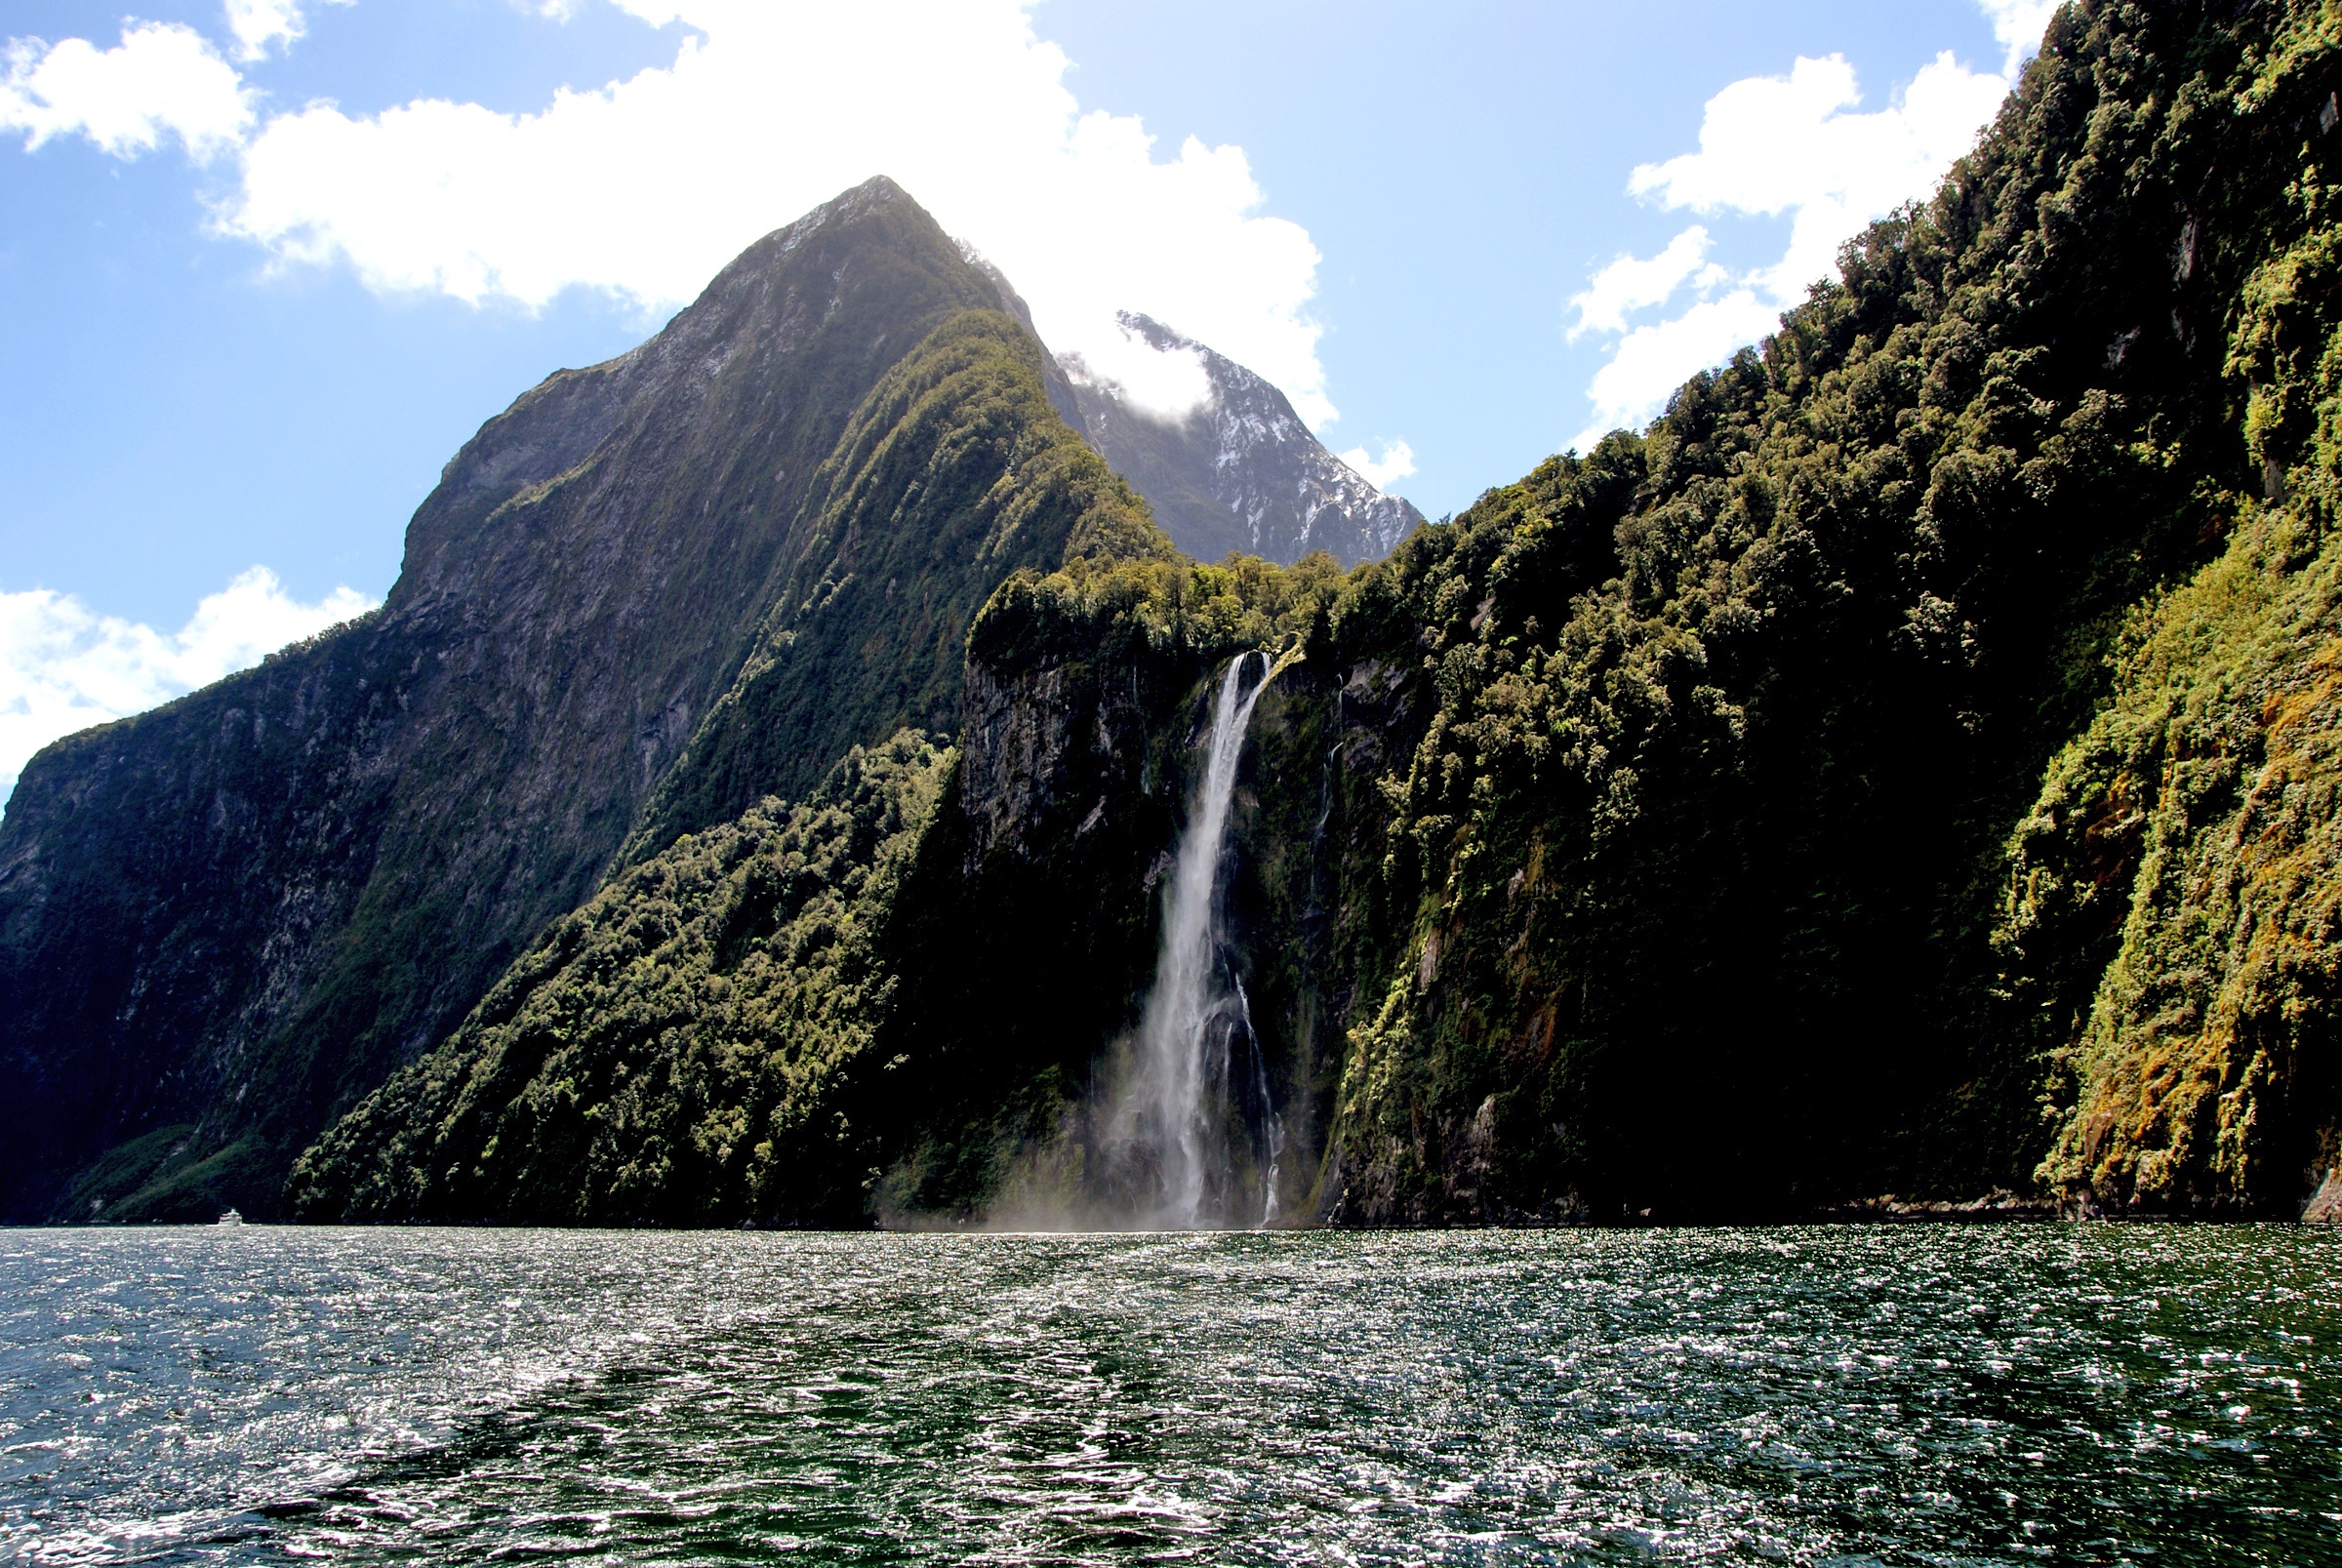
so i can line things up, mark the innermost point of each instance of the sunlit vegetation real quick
(1909, 768)
(663, 1054)
(1704, 863)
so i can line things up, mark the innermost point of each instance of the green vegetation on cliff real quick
(2170, 937)
(984, 919)
(2172, 930)
(664, 1054)
(639, 1064)
(1906, 768)
(952, 474)
(1909, 767)
(1704, 863)
(1705, 749)
(242, 912)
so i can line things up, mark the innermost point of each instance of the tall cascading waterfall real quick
(1197, 1056)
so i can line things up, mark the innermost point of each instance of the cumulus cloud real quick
(646, 187)
(1654, 359)
(2018, 25)
(1769, 146)
(1396, 464)
(1629, 284)
(64, 667)
(160, 80)
(1774, 146)
(1167, 384)
(260, 24)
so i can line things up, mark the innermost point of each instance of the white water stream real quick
(1174, 1112)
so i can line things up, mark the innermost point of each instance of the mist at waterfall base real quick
(2168, 1395)
(1181, 1130)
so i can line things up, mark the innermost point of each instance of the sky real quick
(265, 264)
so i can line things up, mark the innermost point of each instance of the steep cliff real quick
(887, 999)
(688, 1048)
(1240, 473)
(2170, 934)
(2169, 937)
(1702, 863)
(1909, 768)
(237, 914)
(1904, 769)
(670, 1052)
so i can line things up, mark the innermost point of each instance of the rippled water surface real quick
(1898, 1396)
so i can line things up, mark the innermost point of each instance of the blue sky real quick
(265, 264)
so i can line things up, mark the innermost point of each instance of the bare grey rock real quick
(1242, 473)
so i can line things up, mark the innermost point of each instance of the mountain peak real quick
(585, 585)
(875, 198)
(1237, 470)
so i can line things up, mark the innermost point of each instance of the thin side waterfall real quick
(1174, 1120)
(1273, 1126)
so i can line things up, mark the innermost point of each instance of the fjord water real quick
(1894, 1395)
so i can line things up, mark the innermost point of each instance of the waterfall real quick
(1272, 1125)
(1173, 1117)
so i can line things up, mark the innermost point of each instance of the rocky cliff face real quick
(873, 1000)
(1241, 472)
(895, 999)
(235, 915)
(1907, 769)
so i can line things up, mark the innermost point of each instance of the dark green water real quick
(2086, 1394)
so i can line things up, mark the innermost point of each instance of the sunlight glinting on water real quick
(1937, 1395)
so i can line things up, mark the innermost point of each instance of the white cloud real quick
(64, 667)
(1769, 146)
(647, 187)
(1654, 359)
(1396, 464)
(1629, 284)
(2018, 25)
(160, 80)
(1168, 384)
(261, 24)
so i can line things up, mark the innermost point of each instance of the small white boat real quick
(231, 1217)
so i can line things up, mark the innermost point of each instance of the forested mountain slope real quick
(882, 1002)
(224, 921)
(688, 1047)
(1712, 899)
(1906, 768)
